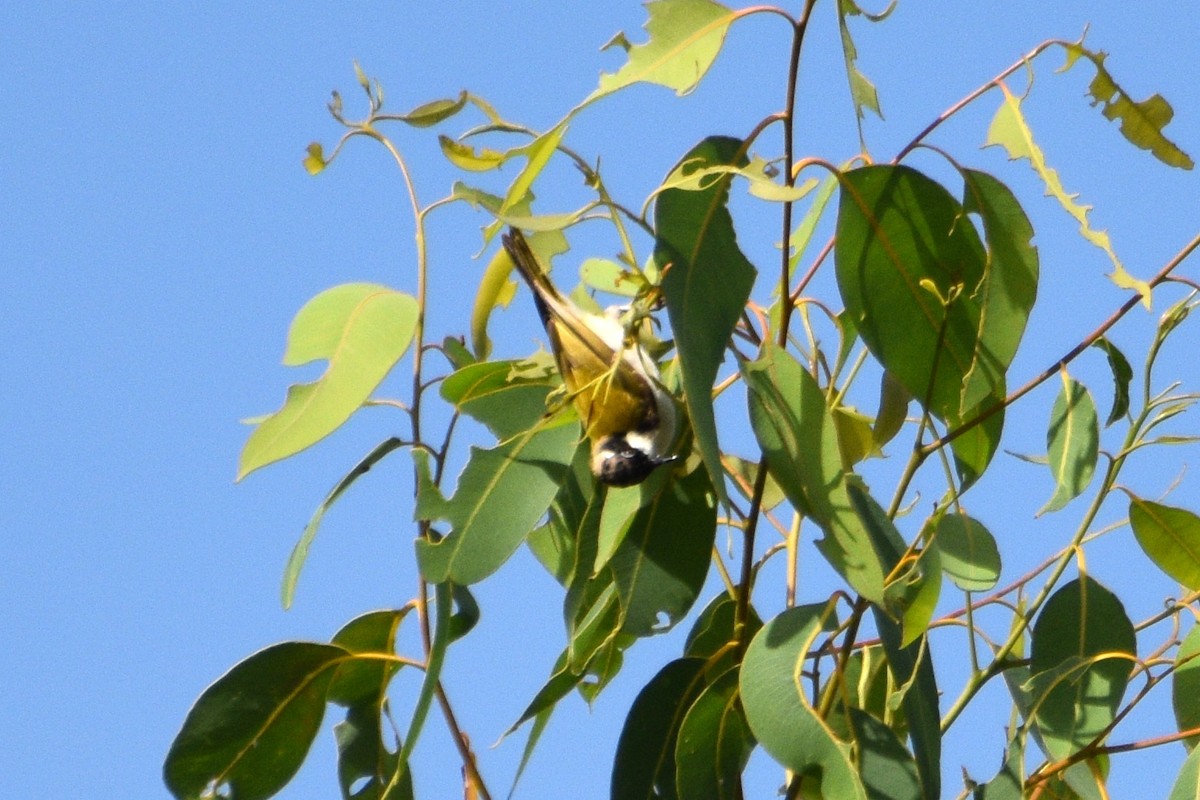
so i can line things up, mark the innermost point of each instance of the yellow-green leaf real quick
(1010, 130)
(362, 329)
(495, 289)
(468, 158)
(685, 38)
(315, 161)
(1142, 122)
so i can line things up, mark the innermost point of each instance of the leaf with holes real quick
(251, 730)
(685, 38)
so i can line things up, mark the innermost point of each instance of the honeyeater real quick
(627, 413)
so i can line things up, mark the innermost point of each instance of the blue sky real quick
(158, 233)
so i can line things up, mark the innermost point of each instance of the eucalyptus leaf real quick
(1122, 376)
(362, 329)
(685, 38)
(251, 730)
(1185, 686)
(1073, 443)
(1084, 634)
(969, 552)
(706, 286)
(781, 718)
(797, 432)
(714, 743)
(644, 766)
(1170, 537)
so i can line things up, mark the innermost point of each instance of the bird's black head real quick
(618, 463)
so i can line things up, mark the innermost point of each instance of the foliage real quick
(936, 280)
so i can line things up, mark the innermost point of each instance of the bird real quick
(629, 416)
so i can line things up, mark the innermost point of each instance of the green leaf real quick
(912, 669)
(685, 38)
(251, 730)
(501, 495)
(1010, 780)
(1010, 131)
(799, 437)
(802, 236)
(1122, 375)
(364, 680)
(862, 91)
(660, 566)
(887, 769)
(921, 602)
(537, 155)
(291, 573)
(912, 273)
(714, 743)
(554, 544)
(443, 604)
(714, 629)
(1170, 537)
(645, 761)
(1185, 686)
(746, 473)
(894, 400)
(1187, 784)
(429, 114)
(866, 685)
(969, 553)
(1142, 122)
(496, 288)
(1073, 442)
(706, 287)
(1007, 292)
(507, 396)
(781, 717)
(365, 764)
(974, 449)
(1083, 630)
(367, 769)
(362, 329)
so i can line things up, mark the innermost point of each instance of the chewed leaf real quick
(502, 493)
(1142, 122)
(1010, 131)
(685, 38)
(362, 329)
(468, 158)
(862, 91)
(251, 730)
